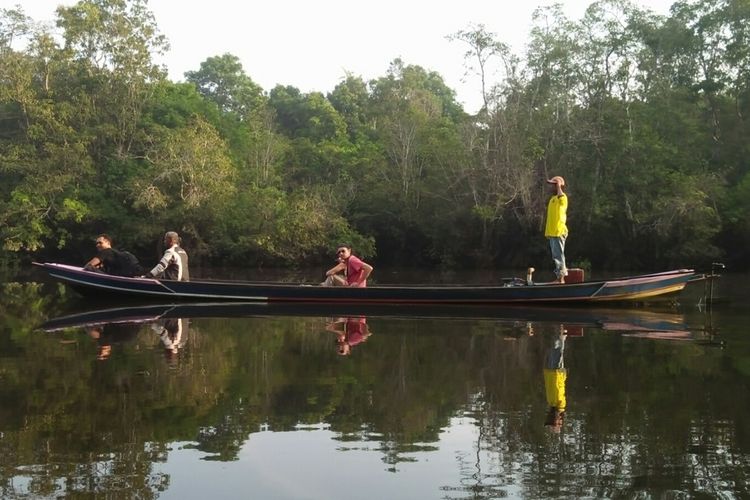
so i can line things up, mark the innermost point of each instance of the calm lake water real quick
(255, 402)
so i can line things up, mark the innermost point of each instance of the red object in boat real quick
(575, 275)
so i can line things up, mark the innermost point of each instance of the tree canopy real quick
(644, 115)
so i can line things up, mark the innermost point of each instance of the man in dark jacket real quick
(111, 261)
(105, 259)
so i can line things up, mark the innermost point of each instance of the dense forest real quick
(644, 115)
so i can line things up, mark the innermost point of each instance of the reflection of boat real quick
(627, 320)
(512, 291)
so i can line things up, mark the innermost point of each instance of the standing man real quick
(174, 263)
(356, 270)
(555, 229)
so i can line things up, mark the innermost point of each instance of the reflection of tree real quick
(23, 306)
(113, 421)
(609, 443)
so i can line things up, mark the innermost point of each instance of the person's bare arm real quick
(366, 270)
(340, 267)
(332, 326)
(95, 262)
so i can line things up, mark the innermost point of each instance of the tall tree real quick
(113, 43)
(189, 177)
(500, 179)
(43, 158)
(248, 122)
(222, 79)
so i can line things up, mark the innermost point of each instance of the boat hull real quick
(623, 289)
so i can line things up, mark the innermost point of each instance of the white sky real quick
(312, 44)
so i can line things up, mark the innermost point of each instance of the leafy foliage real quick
(645, 116)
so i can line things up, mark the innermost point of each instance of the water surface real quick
(447, 403)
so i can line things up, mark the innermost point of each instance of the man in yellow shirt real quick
(555, 229)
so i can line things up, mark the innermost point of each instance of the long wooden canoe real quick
(634, 288)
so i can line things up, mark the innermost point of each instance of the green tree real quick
(247, 121)
(189, 174)
(113, 43)
(500, 177)
(221, 79)
(43, 159)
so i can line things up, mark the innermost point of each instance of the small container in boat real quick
(575, 275)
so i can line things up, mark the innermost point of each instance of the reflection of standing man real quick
(555, 376)
(555, 228)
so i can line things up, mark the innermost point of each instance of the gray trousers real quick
(334, 280)
(557, 246)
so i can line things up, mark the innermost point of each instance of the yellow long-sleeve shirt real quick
(554, 387)
(557, 216)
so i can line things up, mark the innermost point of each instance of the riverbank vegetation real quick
(646, 117)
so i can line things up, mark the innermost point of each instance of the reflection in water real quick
(349, 332)
(108, 335)
(438, 406)
(173, 335)
(555, 375)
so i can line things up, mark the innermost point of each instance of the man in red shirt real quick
(355, 268)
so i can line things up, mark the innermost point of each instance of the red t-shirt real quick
(355, 331)
(354, 271)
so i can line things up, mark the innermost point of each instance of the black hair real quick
(552, 415)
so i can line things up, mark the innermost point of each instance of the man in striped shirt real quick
(174, 263)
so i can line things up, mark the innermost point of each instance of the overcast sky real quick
(312, 44)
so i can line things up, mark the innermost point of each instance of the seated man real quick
(174, 263)
(105, 260)
(111, 261)
(356, 270)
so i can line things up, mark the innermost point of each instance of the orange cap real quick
(557, 180)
